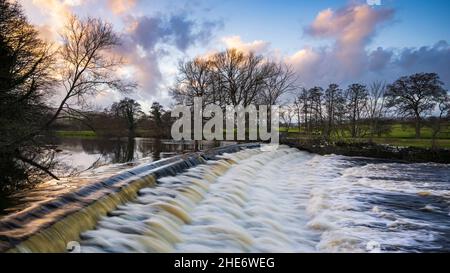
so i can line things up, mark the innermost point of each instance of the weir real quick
(282, 200)
(241, 199)
(50, 226)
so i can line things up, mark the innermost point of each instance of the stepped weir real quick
(52, 225)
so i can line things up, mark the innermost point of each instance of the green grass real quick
(399, 131)
(404, 131)
(83, 134)
(408, 142)
(402, 135)
(291, 130)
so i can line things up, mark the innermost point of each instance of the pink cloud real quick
(53, 14)
(121, 6)
(351, 30)
(257, 46)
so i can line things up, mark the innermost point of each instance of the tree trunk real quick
(433, 143)
(417, 127)
(353, 128)
(196, 145)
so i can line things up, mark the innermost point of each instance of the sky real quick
(324, 41)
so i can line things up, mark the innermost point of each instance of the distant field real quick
(401, 135)
(402, 131)
(87, 134)
(399, 131)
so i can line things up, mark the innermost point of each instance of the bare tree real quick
(356, 104)
(194, 80)
(376, 107)
(281, 81)
(303, 106)
(87, 65)
(298, 111)
(242, 76)
(415, 96)
(232, 77)
(333, 102)
(436, 122)
(315, 95)
(287, 114)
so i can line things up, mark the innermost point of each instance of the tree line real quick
(124, 118)
(233, 77)
(361, 111)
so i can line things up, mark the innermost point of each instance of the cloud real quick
(379, 59)
(405, 61)
(54, 12)
(148, 39)
(353, 24)
(178, 30)
(309, 64)
(347, 59)
(257, 46)
(121, 6)
(352, 29)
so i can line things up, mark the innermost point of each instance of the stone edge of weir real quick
(80, 210)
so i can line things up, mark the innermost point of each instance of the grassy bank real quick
(404, 131)
(400, 135)
(371, 150)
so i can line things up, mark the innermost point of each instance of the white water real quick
(284, 201)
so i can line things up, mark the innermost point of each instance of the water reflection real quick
(79, 154)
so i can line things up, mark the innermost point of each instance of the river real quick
(285, 201)
(79, 154)
(80, 161)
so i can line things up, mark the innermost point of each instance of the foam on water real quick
(284, 201)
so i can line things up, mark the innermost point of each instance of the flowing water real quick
(285, 201)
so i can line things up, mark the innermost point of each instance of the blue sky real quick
(325, 41)
(416, 22)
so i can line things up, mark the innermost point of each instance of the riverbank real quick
(372, 150)
(393, 148)
(398, 135)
